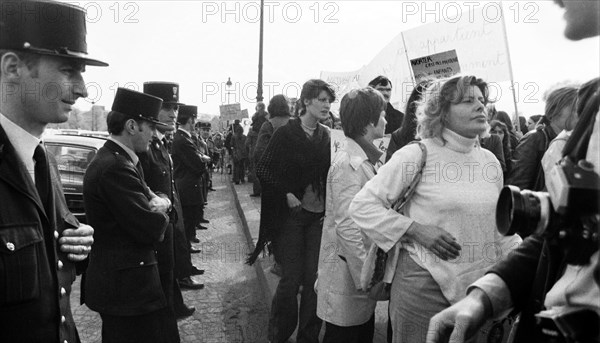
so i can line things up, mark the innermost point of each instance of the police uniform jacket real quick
(35, 276)
(122, 276)
(188, 169)
(158, 174)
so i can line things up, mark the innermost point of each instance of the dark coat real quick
(158, 174)
(394, 119)
(34, 292)
(188, 170)
(122, 275)
(530, 271)
(526, 172)
(493, 143)
(289, 164)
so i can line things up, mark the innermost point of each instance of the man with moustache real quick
(40, 240)
(174, 260)
(537, 275)
(123, 282)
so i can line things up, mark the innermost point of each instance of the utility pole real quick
(259, 90)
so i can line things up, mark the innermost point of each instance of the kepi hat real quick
(45, 27)
(167, 91)
(137, 105)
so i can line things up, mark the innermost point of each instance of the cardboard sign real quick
(231, 112)
(440, 65)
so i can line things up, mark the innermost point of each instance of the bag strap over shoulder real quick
(410, 190)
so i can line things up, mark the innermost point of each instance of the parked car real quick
(73, 154)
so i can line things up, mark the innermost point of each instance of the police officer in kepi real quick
(174, 259)
(123, 280)
(40, 240)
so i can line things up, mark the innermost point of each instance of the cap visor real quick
(80, 57)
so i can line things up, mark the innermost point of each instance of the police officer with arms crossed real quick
(123, 282)
(536, 276)
(41, 66)
(174, 260)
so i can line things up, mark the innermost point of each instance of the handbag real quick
(374, 267)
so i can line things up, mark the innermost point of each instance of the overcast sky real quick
(199, 44)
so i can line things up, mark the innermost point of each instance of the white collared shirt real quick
(23, 142)
(129, 152)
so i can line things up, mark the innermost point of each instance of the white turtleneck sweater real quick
(458, 192)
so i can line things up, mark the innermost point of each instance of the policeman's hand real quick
(436, 239)
(77, 243)
(460, 321)
(158, 204)
(293, 203)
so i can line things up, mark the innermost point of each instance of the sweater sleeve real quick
(372, 209)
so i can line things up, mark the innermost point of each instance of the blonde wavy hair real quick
(434, 106)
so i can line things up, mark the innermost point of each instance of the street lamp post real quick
(259, 90)
(228, 84)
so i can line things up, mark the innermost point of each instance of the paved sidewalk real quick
(249, 208)
(231, 307)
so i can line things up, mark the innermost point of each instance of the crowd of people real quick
(422, 211)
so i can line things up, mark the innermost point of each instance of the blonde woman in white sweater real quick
(447, 238)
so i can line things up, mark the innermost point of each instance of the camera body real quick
(566, 216)
(569, 325)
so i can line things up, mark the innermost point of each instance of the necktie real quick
(42, 175)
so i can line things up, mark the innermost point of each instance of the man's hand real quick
(158, 204)
(77, 243)
(460, 321)
(438, 240)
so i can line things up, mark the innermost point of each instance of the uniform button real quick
(142, 263)
(60, 265)
(63, 319)
(55, 234)
(63, 291)
(10, 246)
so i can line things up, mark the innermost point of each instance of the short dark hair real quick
(359, 108)
(31, 60)
(184, 117)
(279, 106)
(311, 90)
(115, 122)
(380, 80)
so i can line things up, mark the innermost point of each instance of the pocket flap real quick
(14, 238)
(133, 259)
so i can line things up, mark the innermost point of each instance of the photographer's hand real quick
(438, 240)
(460, 321)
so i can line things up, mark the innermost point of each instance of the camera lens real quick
(521, 212)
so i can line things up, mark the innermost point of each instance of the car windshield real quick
(72, 162)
